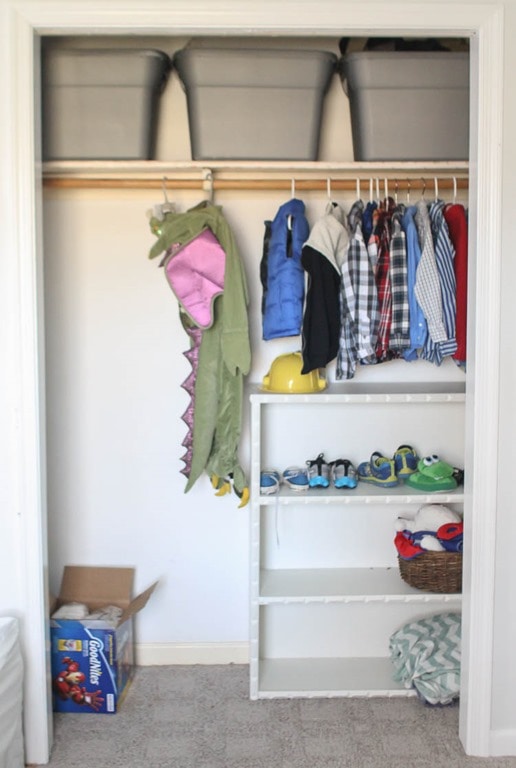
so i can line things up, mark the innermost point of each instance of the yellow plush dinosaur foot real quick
(222, 486)
(243, 496)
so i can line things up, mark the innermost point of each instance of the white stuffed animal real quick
(428, 519)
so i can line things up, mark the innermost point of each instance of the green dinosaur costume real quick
(224, 353)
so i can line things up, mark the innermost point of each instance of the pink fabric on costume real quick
(195, 272)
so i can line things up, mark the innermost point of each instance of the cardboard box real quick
(93, 659)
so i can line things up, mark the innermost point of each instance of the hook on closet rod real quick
(207, 182)
(164, 187)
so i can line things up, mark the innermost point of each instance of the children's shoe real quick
(405, 461)
(433, 474)
(343, 474)
(296, 478)
(269, 481)
(318, 472)
(458, 475)
(379, 471)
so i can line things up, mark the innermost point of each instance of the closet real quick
(324, 588)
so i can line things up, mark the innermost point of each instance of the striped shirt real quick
(428, 288)
(455, 215)
(444, 258)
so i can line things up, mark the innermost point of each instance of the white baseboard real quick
(165, 654)
(503, 743)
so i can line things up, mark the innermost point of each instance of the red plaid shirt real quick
(381, 233)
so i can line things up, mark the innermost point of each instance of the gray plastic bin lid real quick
(274, 68)
(405, 69)
(148, 68)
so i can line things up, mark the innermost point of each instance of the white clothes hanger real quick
(167, 206)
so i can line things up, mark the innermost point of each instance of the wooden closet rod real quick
(393, 184)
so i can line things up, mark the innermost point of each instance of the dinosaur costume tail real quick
(192, 355)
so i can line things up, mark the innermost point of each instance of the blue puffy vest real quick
(281, 272)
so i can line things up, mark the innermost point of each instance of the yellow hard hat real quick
(285, 376)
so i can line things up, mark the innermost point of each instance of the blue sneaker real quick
(296, 478)
(379, 471)
(269, 481)
(343, 474)
(318, 472)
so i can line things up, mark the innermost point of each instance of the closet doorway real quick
(482, 24)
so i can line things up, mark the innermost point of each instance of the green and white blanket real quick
(426, 655)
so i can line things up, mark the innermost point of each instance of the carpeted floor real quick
(201, 717)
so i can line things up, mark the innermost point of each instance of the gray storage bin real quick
(408, 105)
(101, 104)
(254, 104)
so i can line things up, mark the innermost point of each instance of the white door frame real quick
(21, 21)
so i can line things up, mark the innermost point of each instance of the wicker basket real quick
(433, 571)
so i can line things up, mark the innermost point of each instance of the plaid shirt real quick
(359, 302)
(383, 280)
(400, 326)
